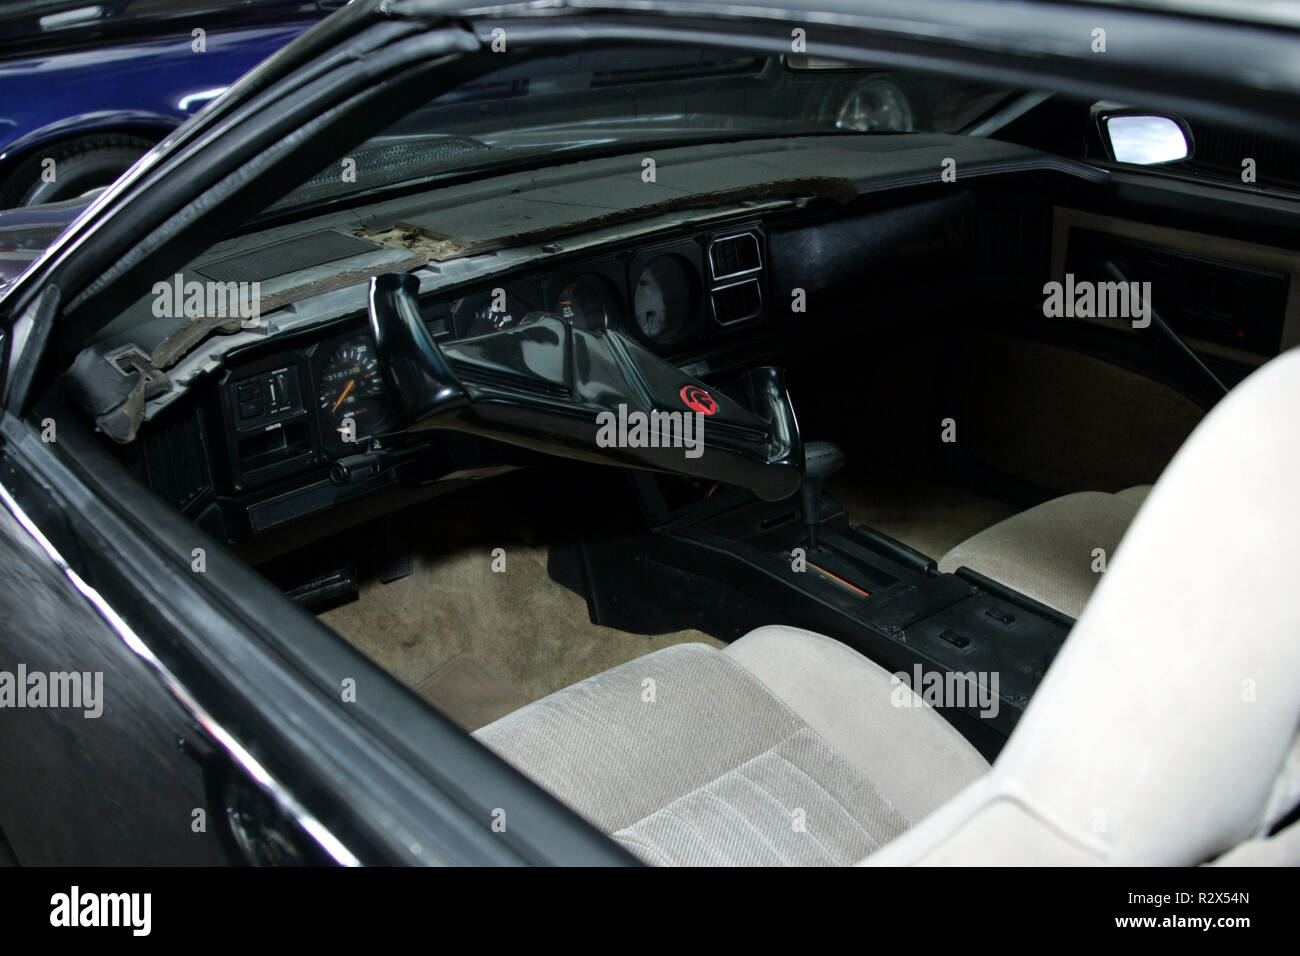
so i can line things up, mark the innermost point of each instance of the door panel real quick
(118, 788)
(1227, 298)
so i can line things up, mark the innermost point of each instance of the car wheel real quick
(80, 165)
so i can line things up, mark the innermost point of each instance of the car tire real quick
(80, 165)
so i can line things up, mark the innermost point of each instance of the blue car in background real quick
(87, 88)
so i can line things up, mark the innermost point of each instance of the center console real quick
(708, 551)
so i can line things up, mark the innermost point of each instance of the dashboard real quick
(286, 411)
(700, 274)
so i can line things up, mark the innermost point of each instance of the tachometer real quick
(352, 399)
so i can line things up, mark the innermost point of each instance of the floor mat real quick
(469, 693)
(923, 514)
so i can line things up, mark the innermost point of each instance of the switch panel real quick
(268, 396)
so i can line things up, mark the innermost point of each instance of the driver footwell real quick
(478, 627)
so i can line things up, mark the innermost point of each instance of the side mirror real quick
(1144, 139)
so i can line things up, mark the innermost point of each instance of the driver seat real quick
(1164, 733)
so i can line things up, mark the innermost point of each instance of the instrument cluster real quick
(671, 296)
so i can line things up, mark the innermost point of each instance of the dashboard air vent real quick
(176, 461)
(737, 302)
(731, 256)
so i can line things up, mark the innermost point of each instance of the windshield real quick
(616, 101)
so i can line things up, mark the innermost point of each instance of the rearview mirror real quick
(1145, 140)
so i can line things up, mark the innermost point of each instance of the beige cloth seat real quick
(1164, 733)
(1049, 551)
(785, 748)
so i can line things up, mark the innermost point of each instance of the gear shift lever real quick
(821, 459)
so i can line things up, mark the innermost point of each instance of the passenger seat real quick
(1050, 551)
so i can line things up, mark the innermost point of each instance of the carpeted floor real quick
(923, 514)
(1066, 421)
(518, 628)
(478, 643)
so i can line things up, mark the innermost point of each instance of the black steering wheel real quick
(595, 395)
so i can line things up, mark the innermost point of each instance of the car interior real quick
(907, 466)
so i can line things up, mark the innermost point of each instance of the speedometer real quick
(352, 399)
